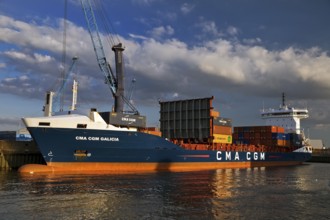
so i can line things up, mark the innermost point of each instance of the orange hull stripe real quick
(144, 167)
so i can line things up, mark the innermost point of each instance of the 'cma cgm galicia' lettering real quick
(84, 138)
(236, 155)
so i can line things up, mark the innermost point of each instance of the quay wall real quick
(320, 156)
(14, 154)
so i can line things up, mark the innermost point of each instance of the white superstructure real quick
(74, 121)
(287, 117)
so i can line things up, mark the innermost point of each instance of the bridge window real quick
(81, 125)
(44, 123)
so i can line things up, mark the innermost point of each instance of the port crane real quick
(114, 81)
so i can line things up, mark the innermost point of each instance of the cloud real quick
(186, 8)
(208, 29)
(231, 66)
(252, 41)
(25, 34)
(37, 51)
(10, 122)
(138, 36)
(161, 31)
(34, 58)
(166, 67)
(144, 2)
(42, 36)
(232, 30)
(219, 61)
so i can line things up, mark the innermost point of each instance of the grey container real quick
(186, 119)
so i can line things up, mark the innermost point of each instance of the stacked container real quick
(261, 135)
(222, 130)
(187, 120)
(152, 130)
(194, 121)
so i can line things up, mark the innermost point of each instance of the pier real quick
(320, 156)
(14, 154)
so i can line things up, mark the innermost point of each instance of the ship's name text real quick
(84, 138)
(128, 119)
(236, 156)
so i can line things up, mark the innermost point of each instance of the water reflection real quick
(258, 193)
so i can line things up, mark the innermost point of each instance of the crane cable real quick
(111, 37)
(63, 53)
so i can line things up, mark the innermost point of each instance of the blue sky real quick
(244, 53)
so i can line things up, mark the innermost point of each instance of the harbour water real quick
(297, 192)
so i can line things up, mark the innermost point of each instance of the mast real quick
(283, 100)
(74, 95)
(119, 101)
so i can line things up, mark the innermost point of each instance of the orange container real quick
(280, 129)
(157, 133)
(214, 113)
(217, 129)
(152, 129)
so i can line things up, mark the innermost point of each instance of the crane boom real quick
(98, 47)
(115, 83)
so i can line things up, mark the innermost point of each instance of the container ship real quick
(192, 135)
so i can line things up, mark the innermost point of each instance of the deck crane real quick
(52, 102)
(115, 83)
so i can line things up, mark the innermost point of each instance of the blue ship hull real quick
(67, 149)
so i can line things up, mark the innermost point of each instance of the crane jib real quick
(115, 83)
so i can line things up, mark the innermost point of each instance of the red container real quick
(246, 135)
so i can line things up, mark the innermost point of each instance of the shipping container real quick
(277, 142)
(222, 121)
(122, 119)
(280, 129)
(263, 129)
(246, 135)
(220, 138)
(157, 133)
(152, 129)
(214, 113)
(278, 136)
(241, 135)
(239, 142)
(186, 119)
(217, 129)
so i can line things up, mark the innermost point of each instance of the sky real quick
(244, 53)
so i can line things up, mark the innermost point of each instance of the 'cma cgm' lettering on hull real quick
(236, 156)
(84, 138)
